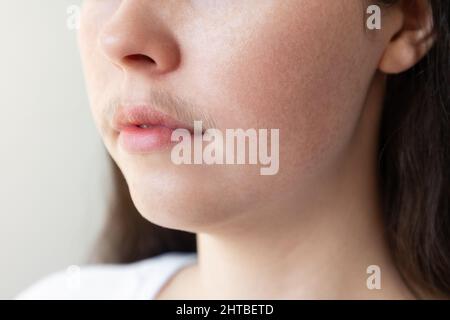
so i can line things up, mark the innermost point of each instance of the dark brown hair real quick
(414, 164)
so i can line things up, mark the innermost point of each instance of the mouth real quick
(142, 129)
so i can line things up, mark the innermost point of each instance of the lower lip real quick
(145, 140)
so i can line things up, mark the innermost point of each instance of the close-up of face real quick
(263, 64)
(226, 149)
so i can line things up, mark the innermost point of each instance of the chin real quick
(176, 202)
(193, 198)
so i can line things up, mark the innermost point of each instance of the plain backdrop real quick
(52, 165)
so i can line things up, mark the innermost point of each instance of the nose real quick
(135, 40)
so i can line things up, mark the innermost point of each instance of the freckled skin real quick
(302, 66)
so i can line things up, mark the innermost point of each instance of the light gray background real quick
(52, 164)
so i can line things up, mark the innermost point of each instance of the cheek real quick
(87, 42)
(100, 76)
(97, 90)
(295, 73)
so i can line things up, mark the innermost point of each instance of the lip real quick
(156, 136)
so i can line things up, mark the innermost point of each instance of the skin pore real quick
(307, 67)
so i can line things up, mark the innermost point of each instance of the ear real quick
(412, 41)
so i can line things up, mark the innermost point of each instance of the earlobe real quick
(415, 39)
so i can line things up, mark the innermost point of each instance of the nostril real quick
(140, 58)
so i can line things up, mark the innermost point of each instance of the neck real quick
(316, 245)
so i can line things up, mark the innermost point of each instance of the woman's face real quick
(301, 66)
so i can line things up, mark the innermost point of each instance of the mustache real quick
(176, 107)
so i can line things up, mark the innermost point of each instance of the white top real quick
(140, 280)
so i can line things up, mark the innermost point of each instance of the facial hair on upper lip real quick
(180, 109)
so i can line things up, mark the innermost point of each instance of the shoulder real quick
(138, 280)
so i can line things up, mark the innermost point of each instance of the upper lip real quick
(138, 115)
